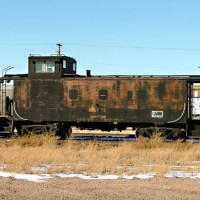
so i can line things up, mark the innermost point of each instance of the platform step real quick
(5, 134)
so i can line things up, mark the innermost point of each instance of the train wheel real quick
(39, 129)
(161, 132)
(145, 132)
(139, 132)
(52, 128)
(26, 130)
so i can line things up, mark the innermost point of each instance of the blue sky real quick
(128, 37)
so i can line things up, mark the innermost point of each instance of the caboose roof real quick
(52, 57)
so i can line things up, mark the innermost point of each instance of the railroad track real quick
(101, 136)
(97, 135)
(104, 138)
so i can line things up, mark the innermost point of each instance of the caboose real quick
(53, 97)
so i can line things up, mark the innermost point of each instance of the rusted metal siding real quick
(21, 94)
(101, 99)
(166, 95)
(46, 100)
(161, 94)
(39, 100)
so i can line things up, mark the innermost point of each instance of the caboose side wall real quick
(128, 99)
(39, 100)
(101, 99)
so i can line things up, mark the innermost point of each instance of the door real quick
(195, 101)
(46, 99)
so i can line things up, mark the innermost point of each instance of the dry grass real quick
(26, 153)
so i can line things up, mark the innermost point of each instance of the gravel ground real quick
(74, 188)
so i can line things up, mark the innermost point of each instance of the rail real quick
(3, 90)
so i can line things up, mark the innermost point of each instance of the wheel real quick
(148, 132)
(25, 130)
(145, 132)
(39, 129)
(52, 128)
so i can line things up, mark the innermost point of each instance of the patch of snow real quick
(181, 167)
(33, 177)
(107, 176)
(145, 175)
(182, 174)
(5, 174)
(28, 177)
(73, 176)
(45, 177)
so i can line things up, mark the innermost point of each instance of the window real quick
(103, 94)
(73, 94)
(45, 67)
(65, 64)
(74, 67)
(129, 96)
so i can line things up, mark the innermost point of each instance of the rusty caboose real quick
(53, 97)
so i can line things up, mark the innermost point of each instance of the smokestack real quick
(88, 73)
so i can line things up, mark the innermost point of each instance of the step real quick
(5, 134)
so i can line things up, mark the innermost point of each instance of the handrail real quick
(180, 117)
(3, 89)
(14, 109)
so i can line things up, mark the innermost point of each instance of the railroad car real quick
(53, 97)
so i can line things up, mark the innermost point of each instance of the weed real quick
(152, 155)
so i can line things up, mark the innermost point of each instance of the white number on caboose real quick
(157, 114)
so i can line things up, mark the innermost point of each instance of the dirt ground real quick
(69, 188)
